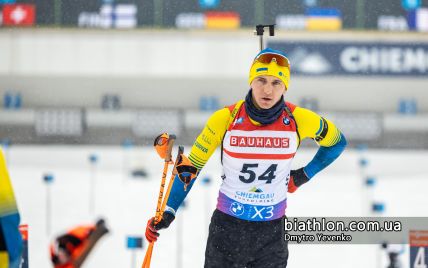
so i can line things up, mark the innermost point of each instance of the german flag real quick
(222, 20)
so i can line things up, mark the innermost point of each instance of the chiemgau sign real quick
(338, 58)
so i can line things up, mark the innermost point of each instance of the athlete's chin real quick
(265, 104)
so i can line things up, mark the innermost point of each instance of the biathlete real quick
(259, 137)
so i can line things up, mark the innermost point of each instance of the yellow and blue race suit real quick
(257, 158)
(10, 237)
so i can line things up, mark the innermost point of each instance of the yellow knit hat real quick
(278, 66)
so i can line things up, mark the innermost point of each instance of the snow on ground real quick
(127, 203)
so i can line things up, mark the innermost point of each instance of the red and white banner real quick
(19, 15)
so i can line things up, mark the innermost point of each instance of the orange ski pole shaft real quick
(148, 257)
(163, 145)
(162, 187)
(171, 181)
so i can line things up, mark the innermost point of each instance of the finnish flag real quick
(118, 16)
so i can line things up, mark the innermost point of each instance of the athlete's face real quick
(267, 91)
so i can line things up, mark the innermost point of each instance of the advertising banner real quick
(334, 15)
(418, 242)
(364, 59)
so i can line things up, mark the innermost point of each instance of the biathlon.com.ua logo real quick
(349, 229)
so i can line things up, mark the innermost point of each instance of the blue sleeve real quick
(9, 226)
(177, 194)
(324, 157)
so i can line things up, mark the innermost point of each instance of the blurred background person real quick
(10, 237)
(71, 249)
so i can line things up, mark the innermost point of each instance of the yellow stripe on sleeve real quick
(210, 138)
(332, 137)
(310, 125)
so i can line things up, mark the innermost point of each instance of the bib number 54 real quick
(249, 175)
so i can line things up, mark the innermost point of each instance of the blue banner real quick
(363, 59)
(418, 256)
(133, 242)
(7, 2)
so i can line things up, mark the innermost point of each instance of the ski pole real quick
(165, 153)
(148, 256)
(163, 145)
(173, 174)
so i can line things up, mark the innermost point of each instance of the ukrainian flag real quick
(9, 219)
(324, 19)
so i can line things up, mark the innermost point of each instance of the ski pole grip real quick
(171, 141)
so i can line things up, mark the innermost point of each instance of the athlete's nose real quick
(268, 89)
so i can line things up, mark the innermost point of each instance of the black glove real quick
(167, 218)
(152, 228)
(101, 227)
(297, 178)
